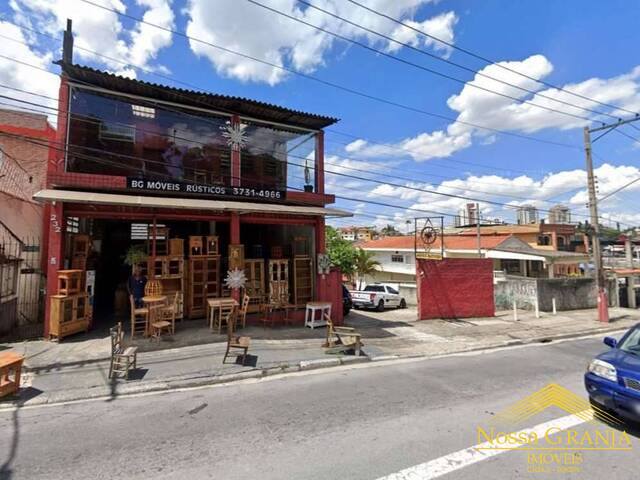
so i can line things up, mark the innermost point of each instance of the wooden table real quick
(10, 363)
(270, 308)
(310, 314)
(153, 303)
(214, 304)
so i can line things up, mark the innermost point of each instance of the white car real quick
(377, 296)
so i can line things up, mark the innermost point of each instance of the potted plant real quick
(135, 255)
(308, 187)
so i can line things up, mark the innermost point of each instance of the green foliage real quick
(136, 254)
(341, 252)
(365, 264)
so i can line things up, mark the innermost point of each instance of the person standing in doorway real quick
(135, 286)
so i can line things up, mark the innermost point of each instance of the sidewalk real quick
(78, 368)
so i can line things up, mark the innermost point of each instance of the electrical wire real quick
(328, 83)
(487, 60)
(434, 72)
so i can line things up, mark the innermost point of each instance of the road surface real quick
(365, 422)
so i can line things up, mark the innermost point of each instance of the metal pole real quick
(478, 230)
(603, 307)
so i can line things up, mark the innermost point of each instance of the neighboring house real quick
(357, 234)
(24, 156)
(511, 255)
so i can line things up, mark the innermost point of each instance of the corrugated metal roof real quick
(224, 103)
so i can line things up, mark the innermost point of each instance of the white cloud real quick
(254, 31)
(558, 187)
(102, 31)
(440, 26)
(480, 107)
(21, 76)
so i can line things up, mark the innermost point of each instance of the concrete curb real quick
(125, 389)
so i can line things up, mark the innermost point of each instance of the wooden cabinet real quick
(254, 271)
(279, 281)
(69, 314)
(203, 283)
(169, 271)
(302, 280)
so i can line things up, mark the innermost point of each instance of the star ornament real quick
(235, 279)
(234, 134)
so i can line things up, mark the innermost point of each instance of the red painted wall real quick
(455, 288)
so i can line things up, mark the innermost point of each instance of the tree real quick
(389, 231)
(341, 252)
(365, 264)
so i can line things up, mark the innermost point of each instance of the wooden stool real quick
(10, 368)
(69, 281)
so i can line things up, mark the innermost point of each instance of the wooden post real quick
(234, 235)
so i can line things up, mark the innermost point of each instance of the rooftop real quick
(223, 103)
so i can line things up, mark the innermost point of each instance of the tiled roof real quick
(451, 242)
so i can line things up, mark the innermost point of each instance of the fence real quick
(21, 289)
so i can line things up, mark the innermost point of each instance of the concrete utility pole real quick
(603, 303)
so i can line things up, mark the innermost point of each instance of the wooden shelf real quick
(302, 280)
(203, 282)
(69, 314)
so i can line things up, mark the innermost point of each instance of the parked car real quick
(377, 296)
(612, 379)
(346, 301)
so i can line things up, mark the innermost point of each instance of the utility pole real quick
(603, 303)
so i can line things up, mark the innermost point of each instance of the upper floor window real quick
(112, 136)
(397, 258)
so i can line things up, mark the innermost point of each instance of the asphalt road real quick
(362, 422)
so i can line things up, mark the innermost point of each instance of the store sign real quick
(171, 187)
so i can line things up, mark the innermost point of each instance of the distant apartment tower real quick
(559, 214)
(527, 214)
(467, 215)
(353, 234)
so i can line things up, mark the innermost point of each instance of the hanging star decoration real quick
(235, 279)
(235, 134)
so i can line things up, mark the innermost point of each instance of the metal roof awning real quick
(183, 203)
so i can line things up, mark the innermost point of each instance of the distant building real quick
(559, 214)
(357, 234)
(527, 214)
(467, 215)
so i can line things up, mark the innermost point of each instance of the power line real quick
(441, 59)
(415, 65)
(487, 60)
(329, 130)
(331, 84)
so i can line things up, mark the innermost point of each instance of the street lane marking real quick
(463, 458)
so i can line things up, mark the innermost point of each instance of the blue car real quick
(613, 377)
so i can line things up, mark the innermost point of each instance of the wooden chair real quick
(223, 315)
(122, 359)
(341, 339)
(139, 318)
(159, 323)
(242, 316)
(234, 341)
(168, 312)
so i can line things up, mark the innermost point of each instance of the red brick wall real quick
(455, 288)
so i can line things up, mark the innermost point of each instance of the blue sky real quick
(584, 46)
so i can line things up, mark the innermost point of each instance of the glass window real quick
(631, 344)
(374, 288)
(112, 136)
(397, 258)
(393, 290)
(276, 158)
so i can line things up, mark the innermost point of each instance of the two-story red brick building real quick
(134, 158)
